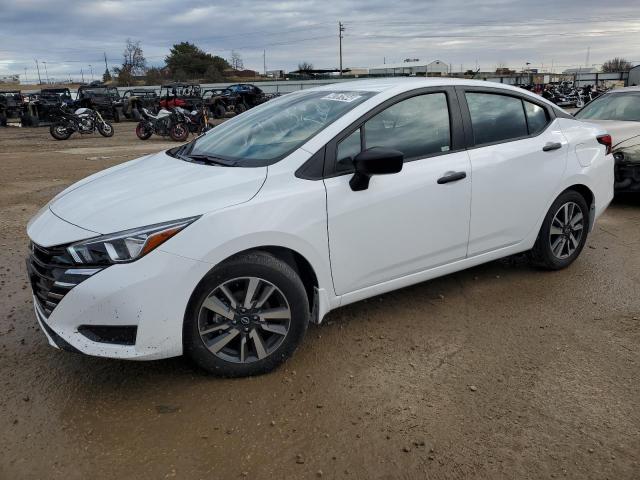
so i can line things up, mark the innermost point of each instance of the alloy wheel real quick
(244, 320)
(566, 230)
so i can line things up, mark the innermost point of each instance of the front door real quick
(407, 222)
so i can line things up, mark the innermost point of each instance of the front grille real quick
(53, 274)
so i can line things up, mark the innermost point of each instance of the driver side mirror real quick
(374, 161)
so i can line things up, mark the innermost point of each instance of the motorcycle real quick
(83, 120)
(197, 120)
(173, 124)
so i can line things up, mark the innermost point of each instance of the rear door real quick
(518, 156)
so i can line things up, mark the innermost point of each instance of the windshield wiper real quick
(211, 160)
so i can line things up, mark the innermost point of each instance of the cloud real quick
(73, 35)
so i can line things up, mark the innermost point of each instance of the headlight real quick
(125, 246)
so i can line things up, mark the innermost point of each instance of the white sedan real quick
(227, 247)
(618, 112)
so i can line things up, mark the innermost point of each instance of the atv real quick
(11, 106)
(185, 95)
(43, 106)
(101, 98)
(134, 100)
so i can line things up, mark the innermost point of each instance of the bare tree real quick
(133, 64)
(236, 61)
(304, 67)
(134, 57)
(616, 65)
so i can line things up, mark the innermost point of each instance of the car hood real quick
(154, 189)
(618, 129)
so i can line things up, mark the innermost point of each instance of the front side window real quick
(418, 126)
(273, 130)
(496, 118)
(348, 149)
(613, 106)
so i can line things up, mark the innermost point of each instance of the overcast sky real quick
(71, 35)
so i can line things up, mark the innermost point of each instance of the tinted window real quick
(347, 149)
(274, 129)
(536, 117)
(495, 118)
(613, 106)
(418, 126)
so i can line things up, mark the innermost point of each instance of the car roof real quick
(404, 84)
(625, 90)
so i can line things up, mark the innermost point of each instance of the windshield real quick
(273, 130)
(613, 106)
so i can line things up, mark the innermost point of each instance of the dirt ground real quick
(501, 371)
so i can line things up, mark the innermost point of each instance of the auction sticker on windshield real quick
(342, 97)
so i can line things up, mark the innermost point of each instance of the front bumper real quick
(150, 294)
(627, 177)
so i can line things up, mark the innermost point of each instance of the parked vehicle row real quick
(35, 109)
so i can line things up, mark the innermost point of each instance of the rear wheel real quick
(142, 131)
(246, 317)
(179, 132)
(105, 129)
(563, 233)
(219, 111)
(59, 131)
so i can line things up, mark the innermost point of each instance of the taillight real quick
(606, 141)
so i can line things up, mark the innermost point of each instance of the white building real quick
(574, 71)
(9, 78)
(436, 67)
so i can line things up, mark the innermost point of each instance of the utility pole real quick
(45, 72)
(38, 68)
(340, 30)
(264, 62)
(82, 74)
(106, 67)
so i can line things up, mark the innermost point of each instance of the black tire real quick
(3, 119)
(179, 132)
(58, 131)
(142, 131)
(543, 253)
(219, 111)
(251, 264)
(241, 107)
(105, 129)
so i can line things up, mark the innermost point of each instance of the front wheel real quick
(179, 132)
(105, 129)
(563, 233)
(143, 131)
(59, 131)
(246, 317)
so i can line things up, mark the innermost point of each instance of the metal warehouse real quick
(436, 68)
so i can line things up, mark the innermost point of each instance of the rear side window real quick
(537, 118)
(496, 118)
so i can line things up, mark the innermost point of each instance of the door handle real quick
(551, 146)
(451, 177)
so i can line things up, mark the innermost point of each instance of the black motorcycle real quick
(174, 124)
(83, 120)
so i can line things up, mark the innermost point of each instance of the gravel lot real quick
(501, 371)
